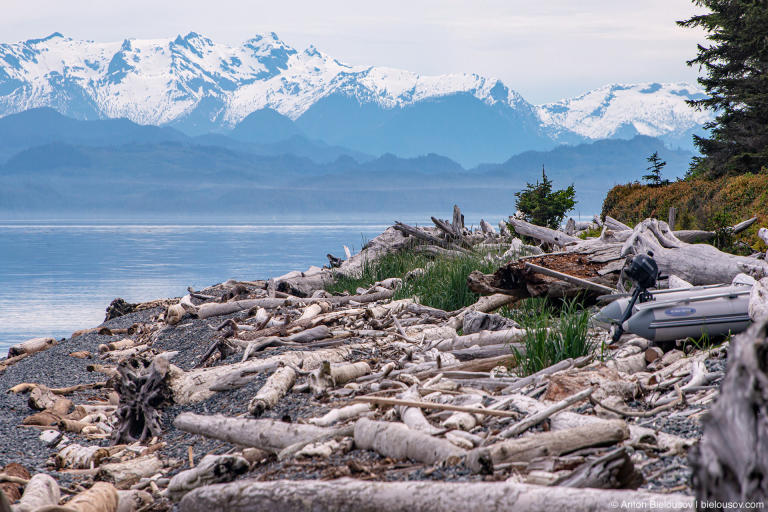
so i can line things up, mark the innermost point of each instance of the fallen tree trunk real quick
(276, 386)
(265, 434)
(41, 491)
(31, 346)
(211, 470)
(400, 442)
(102, 497)
(550, 236)
(730, 462)
(348, 495)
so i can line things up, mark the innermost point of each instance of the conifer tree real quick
(654, 170)
(542, 206)
(735, 66)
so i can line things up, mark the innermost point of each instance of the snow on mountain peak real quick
(159, 81)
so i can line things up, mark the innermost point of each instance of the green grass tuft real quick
(550, 339)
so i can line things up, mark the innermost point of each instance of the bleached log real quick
(412, 416)
(505, 336)
(341, 414)
(174, 313)
(629, 365)
(41, 491)
(117, 345)
(391, 240)
(276, 386)
(309, 335)
(31, 346)
(486, 227)
(546, 235)
(101, 497)
(676, 282)
(758, 301)
(484, 304)
(350, 495)
(133, 500)
(76, 456)
(527, 448)
(265, 434)
(615, 225)
(328, 376)
(124, 474)
(212, 469)
(538, 417)
(400, 442)
(200, 384)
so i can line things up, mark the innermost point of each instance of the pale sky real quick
(545, 49)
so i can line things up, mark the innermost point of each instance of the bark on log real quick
(730, 463)
(348, 495)
(400, 442)
(276, 386)
(212, 469)
(41, 491)
(268, 435)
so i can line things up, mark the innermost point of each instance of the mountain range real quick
(266, 93)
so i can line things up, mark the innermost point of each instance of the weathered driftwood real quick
(76, 456)
(328, 376)
(125, 474)
(101, 497)
(481, 338)
(730, 462)
(341, 414)
(276, 386)
(527, 448)
(197, 385)
(614, 470)
(41, 491)
(435, 406)
(538, 417)
(212, 469)
(412, 416)
(350, 495)
(133, 500)
(400, 442)
(143, 392)
(387, 242)
(268, 435)
(550, 236)
(31, 346)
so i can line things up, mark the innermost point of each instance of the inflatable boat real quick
(672, 314)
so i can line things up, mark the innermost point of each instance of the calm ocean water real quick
(57, 277)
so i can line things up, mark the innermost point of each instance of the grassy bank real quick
(702, 204)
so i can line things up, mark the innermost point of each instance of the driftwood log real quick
(41, 491)
(212, 469)
(265, 434)
(730, 463)
(348, 495)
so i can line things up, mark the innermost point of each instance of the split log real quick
(265, 434)
(124, 474)
(31, 346)
(41, 491)
(730, 462)
(554, 443)
(350, 495)
(102, 497)
(276, 386)
(400, 442)
(212, 469)
(143, 392)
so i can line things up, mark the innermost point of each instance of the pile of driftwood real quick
(406, 387)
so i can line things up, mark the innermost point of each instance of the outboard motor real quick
(644, 272)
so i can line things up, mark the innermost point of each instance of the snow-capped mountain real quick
(198, 86)
(622, 110)
(158, 81)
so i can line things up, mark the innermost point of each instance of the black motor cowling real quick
(643, 271)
